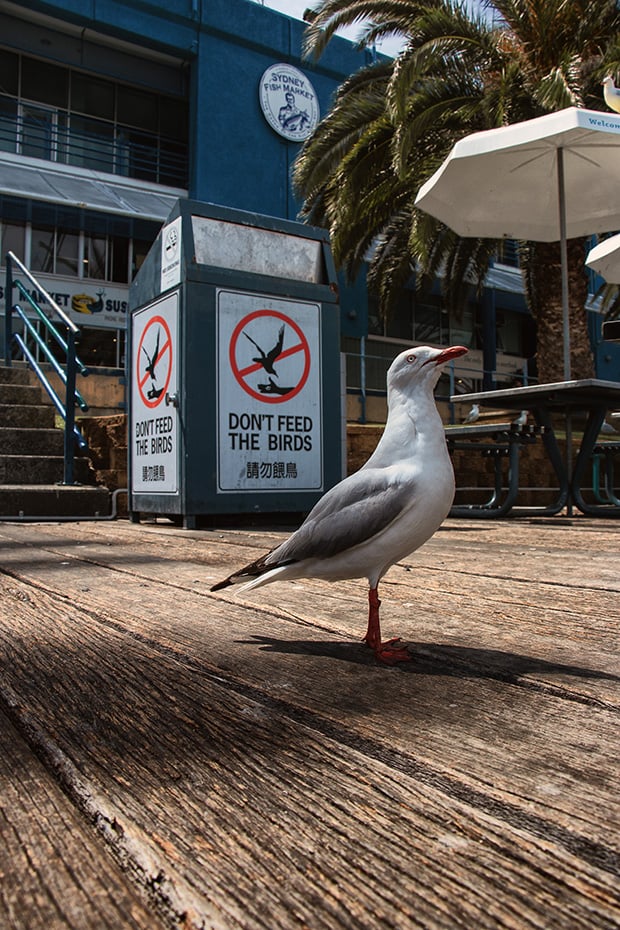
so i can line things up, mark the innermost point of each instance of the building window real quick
(510, 332)
(102, 348)
(95, 254)
(59, 249)
(8, 124)
(53, 251)
(508, 253)
(43, 81)
(60, 114)
(67, 253)
(89, 143)
(12, 239)
(42, 250)
(97, 348)
(37, 132)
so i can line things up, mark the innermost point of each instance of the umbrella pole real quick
(565, 313)
(564, 264)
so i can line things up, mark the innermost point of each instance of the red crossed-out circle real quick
(143, 376)
(242, 373)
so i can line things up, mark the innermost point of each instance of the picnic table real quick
(590, 396)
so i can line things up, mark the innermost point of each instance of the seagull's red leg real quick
(385, 652)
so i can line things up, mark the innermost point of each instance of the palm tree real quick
(394, 122)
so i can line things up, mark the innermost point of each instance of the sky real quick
(295, 8)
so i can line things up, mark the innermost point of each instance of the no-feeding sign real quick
(154, 422)
(269, 393)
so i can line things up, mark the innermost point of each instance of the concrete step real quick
(25, 441)
(40, 416)
(39, 469)
(14, 375)
(53, 501)
(23, 394)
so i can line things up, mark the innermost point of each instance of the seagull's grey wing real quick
(350, 513)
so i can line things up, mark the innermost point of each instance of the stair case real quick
(44, 472)
(31, 457)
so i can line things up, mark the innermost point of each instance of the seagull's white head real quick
(420, 365)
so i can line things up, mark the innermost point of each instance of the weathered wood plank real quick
(515, 628)
(247, 817)
(525, 550)
(53, 872)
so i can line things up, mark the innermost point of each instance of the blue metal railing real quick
(66, 345)
(366, 374)
(89, 143)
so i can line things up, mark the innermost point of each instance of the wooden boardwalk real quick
(171, 757)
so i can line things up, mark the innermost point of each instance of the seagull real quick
(611, 94)
(473, 414)
(521, 420)
(384, 511)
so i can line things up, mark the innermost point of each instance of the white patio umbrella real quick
(547, 180)
(604, 258)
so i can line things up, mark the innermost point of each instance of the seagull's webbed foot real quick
(387, 653)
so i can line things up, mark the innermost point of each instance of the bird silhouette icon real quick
(266, 359)
(152, 359)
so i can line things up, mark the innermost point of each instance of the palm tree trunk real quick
(544, 287)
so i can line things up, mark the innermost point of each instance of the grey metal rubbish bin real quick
(234, 367)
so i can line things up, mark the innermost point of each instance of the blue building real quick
(110, 111)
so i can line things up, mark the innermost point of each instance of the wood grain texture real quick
(53, 872)
(255, 768)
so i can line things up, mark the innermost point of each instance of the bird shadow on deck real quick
(434, 659)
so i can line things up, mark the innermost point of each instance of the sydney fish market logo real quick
(289, 102)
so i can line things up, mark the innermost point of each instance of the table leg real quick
(590, 436)
(543, 419)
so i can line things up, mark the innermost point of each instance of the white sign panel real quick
(289, 102)
(269, 394)
(171, 255)
(154, 426)
(87, 303)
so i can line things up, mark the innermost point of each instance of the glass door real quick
(38, 132)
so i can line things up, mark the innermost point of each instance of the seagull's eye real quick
(411, 358)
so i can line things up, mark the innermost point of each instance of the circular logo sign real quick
(289, 102)
(171, 243)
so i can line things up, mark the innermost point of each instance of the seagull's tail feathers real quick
(253, 575)
(265, 577)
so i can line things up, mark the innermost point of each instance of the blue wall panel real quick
(147, 24)
(240, 160)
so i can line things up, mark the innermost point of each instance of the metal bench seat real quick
(498, 441)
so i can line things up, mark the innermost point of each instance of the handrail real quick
(61, 313)
(46, 351)
(55, 399)
(68, 375)
(48, 324)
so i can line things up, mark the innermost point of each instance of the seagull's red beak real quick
(448, 354)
